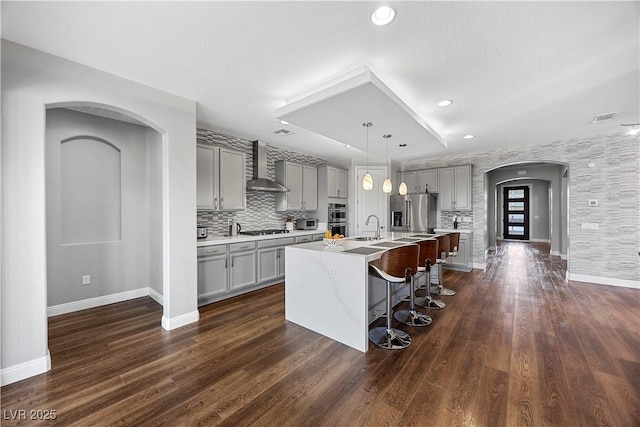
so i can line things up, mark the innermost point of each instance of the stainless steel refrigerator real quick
(414, 212)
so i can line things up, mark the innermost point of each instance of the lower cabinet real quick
(232, 269)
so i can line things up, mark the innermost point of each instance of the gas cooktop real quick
(263, 232)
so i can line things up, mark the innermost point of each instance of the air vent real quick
(603, 117)
(284, 131)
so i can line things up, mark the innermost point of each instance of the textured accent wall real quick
(261, 206)
(614, 181)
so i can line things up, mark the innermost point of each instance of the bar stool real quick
(394, 266)
(454, 241)
(443, 251)
(428, 256)
(411, 317)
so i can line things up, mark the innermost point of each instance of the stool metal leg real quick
(441, 290)
(411, 317)
(388, 337)
(428, 301)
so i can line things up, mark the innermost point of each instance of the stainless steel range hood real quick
(260, 181)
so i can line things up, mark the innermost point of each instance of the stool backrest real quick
(428, 250)
(443, 245)
(454, 241)
(400, 261)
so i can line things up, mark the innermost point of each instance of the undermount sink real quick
(363, 238)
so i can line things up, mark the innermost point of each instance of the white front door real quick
(371, 202)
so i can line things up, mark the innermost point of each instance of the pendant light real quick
(402, 188)
(387, 186)
(367, 180)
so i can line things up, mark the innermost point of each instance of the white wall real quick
(31, 82)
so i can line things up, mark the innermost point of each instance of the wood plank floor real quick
(517, 346)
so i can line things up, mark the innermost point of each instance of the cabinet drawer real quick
(304, 239)
(212, 250)
(245, 246)
(275, 242)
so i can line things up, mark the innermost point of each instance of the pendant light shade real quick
(402, 188)
(387, 186)
(367, 182)
(367, 179)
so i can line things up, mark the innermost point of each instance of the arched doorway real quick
(551, 182)
(104, 207)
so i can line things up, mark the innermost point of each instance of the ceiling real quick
(519, 73)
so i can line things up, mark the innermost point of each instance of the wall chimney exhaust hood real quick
(261, 181)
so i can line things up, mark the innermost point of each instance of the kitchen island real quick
(327, 289)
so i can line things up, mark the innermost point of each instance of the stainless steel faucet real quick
(377, 236)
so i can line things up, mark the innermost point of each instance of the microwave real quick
(306, 224)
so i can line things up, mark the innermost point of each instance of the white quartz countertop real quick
(223, 240)
(377, 246)
(451, 230)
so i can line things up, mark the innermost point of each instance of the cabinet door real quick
(462, 191)
(463, 253)
(343, 186)
(332, 182)
(232, 180)
(411, 178)
(428, 177)
(309, 188)
(206, 159)
(268, 264)
(293, 178)
(212, 276)
(281, 262)
(243, 269)
(446, 191)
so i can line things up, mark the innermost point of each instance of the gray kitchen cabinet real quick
(302, 182)
(271, 258)
(212, 271)
(428, 177)
(242, 272)
(337, 179)
(455, 188)
(221, 179)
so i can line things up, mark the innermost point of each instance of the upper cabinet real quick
(455, 188)
(336, 181)
(302, 182)
(221, 179)
(429, 178)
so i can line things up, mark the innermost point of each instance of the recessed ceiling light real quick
(468, 136)
(445, 103)
(284, 122)
(383, 15)
(347, 146)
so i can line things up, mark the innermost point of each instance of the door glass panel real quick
(516, 206)
(516, 218)
(516, 194)
(516, 230)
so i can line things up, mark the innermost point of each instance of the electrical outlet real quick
(86, 280)
(589, 225)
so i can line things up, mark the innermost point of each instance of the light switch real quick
(593, 202)
(589, 225)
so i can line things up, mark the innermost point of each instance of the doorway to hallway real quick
(516, 213)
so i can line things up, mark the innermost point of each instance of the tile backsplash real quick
(261, 206)
(465, 219)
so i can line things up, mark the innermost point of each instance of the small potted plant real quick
(289, 224)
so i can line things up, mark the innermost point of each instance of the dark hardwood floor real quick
(517, 346)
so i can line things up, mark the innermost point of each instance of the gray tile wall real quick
(612, 250)
(261, 206)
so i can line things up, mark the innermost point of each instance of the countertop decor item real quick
(333, 242)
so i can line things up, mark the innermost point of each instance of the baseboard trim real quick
(70, 307)
(156, 296)
(480, 265)
(540, 240)
(24, 370)
(169, 324)
(599, 280)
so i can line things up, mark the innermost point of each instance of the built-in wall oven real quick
(337, 218)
